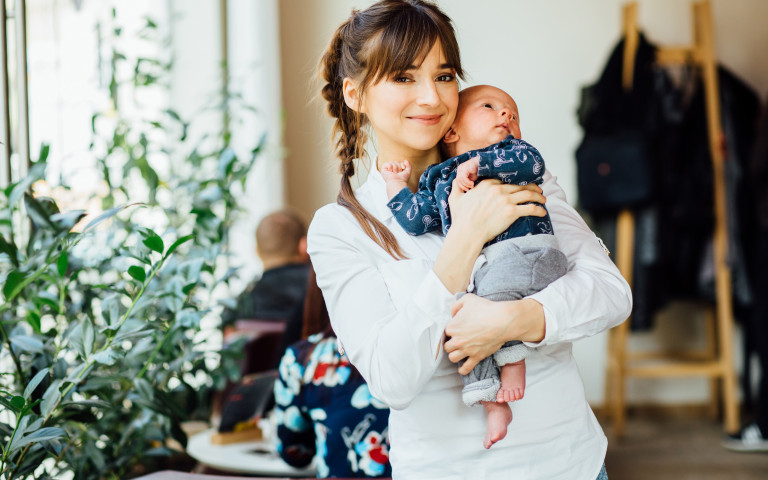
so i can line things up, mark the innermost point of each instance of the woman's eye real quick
(401, 79)
(446, 77)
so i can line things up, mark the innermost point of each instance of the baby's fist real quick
(466, 173)
(400, 171)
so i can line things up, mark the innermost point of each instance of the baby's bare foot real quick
(499, 416)
(509, 395)
(512, 382)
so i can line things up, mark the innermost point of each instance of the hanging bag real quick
(612, 172)
(614, 160)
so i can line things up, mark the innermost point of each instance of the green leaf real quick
(226, 161)
(17, 403)
(7, 404)
(33, 319)
(35, 173)
(9, 248)
(50, 398)
(78, 372)
(38, 210)
(106, 357)
(88, 338)
(108, 214)
(67, 220)
(144, 389)
(155, 243)
(13, 283)
(44, 151)
(178, 243)
(111, 306)
(48, 299)
(188, 288)
(75, 336)
(27, 343)
(188, 318)
(62, 263)
(88, 403)
(32, 385)
(45, 433)
(174, 115)
(137, 273)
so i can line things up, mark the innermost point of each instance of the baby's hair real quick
(383, 40)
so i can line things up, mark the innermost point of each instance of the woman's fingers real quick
(468, 366)
(476, 331)
(456, 191)
(456, 356)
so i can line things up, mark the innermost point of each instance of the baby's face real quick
(486, 115)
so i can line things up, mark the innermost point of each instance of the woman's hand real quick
(476, 217)
(480, 327)
(490, 207)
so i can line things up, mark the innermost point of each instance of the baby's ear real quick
(451, 136)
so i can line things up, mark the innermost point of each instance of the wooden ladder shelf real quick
(716, 360)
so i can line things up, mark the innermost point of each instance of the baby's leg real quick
(499, 417)
(512, 382)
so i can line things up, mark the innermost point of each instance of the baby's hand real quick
(466, 173)
(396, 171)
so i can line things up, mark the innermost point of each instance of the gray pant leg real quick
(515, 268)
(482, 383)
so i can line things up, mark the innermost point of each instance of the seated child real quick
(484, 142)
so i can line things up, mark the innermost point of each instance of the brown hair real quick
(279, 233)
(372, 44)
(315, 315)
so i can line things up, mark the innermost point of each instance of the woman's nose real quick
(428, 93)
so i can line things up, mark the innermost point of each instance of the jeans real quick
(603, 475)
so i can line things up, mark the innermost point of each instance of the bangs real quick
(418, 31)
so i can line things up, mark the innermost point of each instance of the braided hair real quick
(372, 44)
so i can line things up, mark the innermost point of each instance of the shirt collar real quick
(378, 194)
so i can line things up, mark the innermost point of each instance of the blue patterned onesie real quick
(520, 261)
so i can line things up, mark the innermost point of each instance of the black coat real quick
(674, 224)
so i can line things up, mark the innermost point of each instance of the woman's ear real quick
(451, 136)
(352, 95)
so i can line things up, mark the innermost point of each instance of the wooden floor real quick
(656, 448)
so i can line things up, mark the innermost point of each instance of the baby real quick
(484, 142)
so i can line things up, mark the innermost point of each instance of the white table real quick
(257, 457)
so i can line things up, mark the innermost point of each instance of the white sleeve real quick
(396, 346)
(593, 296)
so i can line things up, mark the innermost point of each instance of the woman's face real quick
(411, 111)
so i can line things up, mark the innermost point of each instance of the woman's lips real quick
(426, 119)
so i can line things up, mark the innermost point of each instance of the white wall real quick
(542, 53)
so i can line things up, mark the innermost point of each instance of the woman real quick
(323, 407)
(391, 296)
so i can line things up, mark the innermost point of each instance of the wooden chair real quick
(715, 361)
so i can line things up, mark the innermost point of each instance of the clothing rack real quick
(715, 360)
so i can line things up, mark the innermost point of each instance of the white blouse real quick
(390, 316)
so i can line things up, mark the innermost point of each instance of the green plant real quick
(106, 328)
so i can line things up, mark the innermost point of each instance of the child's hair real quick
(383, 40)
